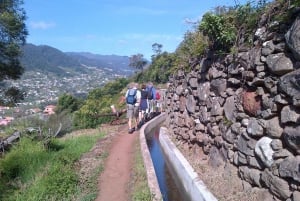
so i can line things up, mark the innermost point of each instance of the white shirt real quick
(138, 96)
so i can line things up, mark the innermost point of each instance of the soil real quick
(118, 145)
(113, 183)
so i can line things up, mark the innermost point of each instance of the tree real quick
(97, 105)
(157, 48)
(13, 34)
(192, 47)
(137, 61)
(67, 102)
(160, 68)
(13, 94)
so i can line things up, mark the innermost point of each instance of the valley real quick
(44, 88)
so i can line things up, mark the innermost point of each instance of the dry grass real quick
(223, 181)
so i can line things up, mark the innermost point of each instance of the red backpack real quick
(157, 96)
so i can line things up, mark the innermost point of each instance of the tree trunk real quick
(5, 143)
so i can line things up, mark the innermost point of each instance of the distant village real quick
(6, 119)
(43, 90)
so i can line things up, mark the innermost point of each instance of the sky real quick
(114, 27)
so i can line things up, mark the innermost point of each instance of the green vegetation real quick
(12, 35)
(37, 127)
(68, 103)
(158, 72)
(140, 190)
(295, 3)
(92, 112)
(31, 172)
(286, 12)
(49, 60)
(89, 188)
(137, 61)
(193, 46)
(219, 32)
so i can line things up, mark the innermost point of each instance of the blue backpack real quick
(150, 93)
(131, 97)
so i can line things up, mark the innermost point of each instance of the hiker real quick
(151, 98)
(162, 100)
(158, 98)
(143, 105)
(133, 97)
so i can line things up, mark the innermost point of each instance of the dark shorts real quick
(132, 111)
(144, 104)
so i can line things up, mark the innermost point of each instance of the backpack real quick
(131, 97)
(157, 96)
(150, 94)
(144, 94)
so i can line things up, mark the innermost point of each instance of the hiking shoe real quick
(140, 125)
(130, 131)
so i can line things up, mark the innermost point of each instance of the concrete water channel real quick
(170, 176)
(164, 175)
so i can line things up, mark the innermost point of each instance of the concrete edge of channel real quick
(151, 176)
(194, 187)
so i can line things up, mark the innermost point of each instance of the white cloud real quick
(122, 42)
(42, 25)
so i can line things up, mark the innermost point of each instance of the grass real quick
(6, 132)
(89, 189)
(31, 172)
(139, 187)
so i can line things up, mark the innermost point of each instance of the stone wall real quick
(245, 109)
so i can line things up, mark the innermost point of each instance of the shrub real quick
(220, 32)
(192, 47)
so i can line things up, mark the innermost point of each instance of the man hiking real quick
(133, 97)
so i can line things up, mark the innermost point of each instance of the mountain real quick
(113, 62)
(50, 73)
(48, 59)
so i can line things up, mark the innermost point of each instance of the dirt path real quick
(114, 180)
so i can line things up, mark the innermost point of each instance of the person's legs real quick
(130, 116)
(136, 116)
(140, 115)
(143, 115)
(147, 111)
(150, 106)
(129, 123)
(158, 104)
(141, 118)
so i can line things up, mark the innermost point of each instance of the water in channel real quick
(166, 182)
